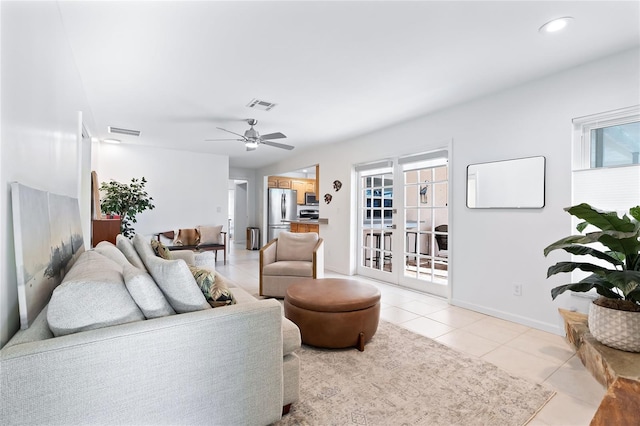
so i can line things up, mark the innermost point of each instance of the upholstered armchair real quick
(286, 259)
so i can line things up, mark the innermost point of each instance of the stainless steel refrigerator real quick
(283, 205)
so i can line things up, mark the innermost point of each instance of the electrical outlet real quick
(517, 289)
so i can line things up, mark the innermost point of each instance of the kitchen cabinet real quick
(305, 227)
(284, 183)
(279, 182)
(301, 185)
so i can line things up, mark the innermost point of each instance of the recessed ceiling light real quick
(111, 140)
(555, 25)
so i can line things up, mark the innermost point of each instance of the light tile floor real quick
(520, 350)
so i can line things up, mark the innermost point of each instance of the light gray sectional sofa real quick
(231, 365)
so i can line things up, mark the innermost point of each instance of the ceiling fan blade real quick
(229, 131)
(278, 145)
(276, 135)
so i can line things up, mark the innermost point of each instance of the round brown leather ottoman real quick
(333, 312)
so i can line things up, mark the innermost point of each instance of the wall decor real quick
(337, 185)
(423, 194)
(328, 198)
(515, 184)
(47, 238)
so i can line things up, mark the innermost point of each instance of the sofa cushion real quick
(108, 249)
(126, 247)
(189, 256)
(173, 277)
(145, 293)
(291, 268)
(92, 295)
(210, 234)
(296, 246)
(187, 237)
(205, 259)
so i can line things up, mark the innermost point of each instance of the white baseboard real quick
(539, 325)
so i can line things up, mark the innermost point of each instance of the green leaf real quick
(571, 240)
(580, 227)
(604, 220)
(571, 266)
(593, 281)
(583, 287)
(634, 296)
(611, 257)
(635, 212)
(626, 281)
(579, 287)
(620, 242)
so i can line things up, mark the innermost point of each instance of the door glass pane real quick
(376, 211)
(425, 224)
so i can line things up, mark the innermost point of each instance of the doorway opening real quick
(238, 214)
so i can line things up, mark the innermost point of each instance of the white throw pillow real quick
(92, 295)
(109, 250)
(145, 293)
(210, 234)
(173, 277)
(126, 247)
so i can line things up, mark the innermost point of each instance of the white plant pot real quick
(615, 328)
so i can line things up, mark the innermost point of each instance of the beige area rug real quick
(403, 378)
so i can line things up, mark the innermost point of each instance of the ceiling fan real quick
(252, 138)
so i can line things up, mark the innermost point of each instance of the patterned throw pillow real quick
(161, 250)
(215, 291)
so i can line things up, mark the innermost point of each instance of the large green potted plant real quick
(125, 200)
(614, 318)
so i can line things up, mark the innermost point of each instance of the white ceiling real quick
(176, 70)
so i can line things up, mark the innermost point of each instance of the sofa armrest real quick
(267, 257)
(223, 365)
(186, 255)
(318, 259)
(268, 253)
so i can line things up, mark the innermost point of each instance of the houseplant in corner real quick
(614, 318)
(126, 201)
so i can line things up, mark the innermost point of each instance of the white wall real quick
(41, 96)
(252, 185)
(490, 249)
(188, 189)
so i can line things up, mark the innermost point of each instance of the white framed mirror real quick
(509, 184)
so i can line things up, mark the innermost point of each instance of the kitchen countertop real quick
(303, 220)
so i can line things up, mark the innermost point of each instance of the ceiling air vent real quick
(124, 131)
(263, 105)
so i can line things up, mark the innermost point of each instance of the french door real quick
(403, 218)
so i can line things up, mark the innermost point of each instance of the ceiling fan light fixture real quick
(251, 144)
(555, 25)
